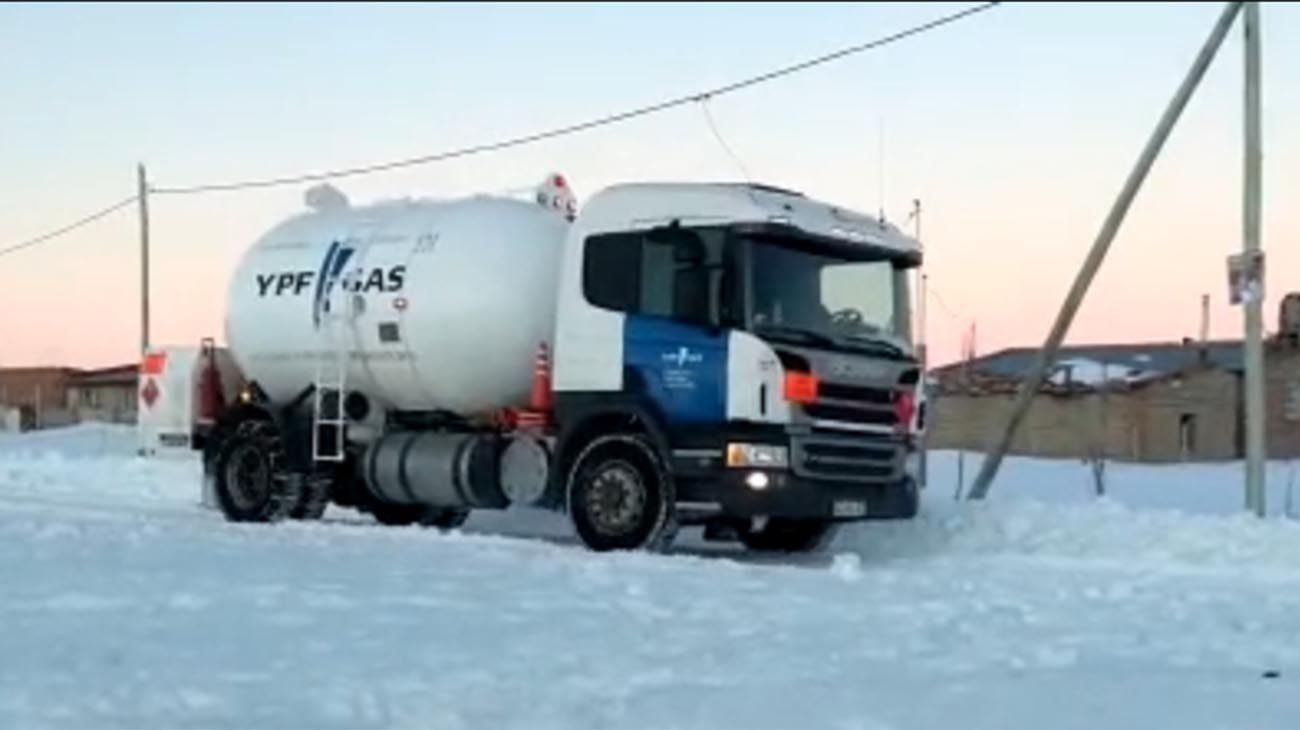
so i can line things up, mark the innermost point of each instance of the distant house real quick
(40, 395)
(105, 394)
(46, 397)
(1152, 402)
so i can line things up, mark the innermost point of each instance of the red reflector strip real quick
(532, 419)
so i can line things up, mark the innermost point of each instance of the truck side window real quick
(692, 270)
(677, 274)
(657, 280)
(611, 271)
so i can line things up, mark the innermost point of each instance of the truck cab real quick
(756, 344)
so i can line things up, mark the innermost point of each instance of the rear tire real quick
(619, 496)
(250, 483)
(315, 499)
(789, 536)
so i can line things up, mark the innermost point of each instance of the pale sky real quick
(1014, 128)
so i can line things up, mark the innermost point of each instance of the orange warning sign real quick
(154, 363)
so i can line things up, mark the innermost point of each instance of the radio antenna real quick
(880, 166)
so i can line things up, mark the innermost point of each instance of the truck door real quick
(675, 349)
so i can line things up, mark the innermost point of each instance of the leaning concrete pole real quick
(1034, 378)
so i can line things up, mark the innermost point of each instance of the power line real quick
(701, 97)
(581, 126)
(713, 127)
(69, 227)
(934, 293)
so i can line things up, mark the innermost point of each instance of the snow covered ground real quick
(124, 604)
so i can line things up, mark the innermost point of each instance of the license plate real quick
(850, 508)
(173, 439)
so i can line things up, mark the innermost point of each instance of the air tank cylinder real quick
(446, 470)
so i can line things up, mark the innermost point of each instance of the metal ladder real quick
(329, 422)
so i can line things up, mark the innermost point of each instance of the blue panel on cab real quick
(683, 367)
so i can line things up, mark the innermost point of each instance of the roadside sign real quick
(1245, 277)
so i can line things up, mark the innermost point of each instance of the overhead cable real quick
(44, 237)
(580, 126)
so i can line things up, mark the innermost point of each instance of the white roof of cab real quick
(639, 205)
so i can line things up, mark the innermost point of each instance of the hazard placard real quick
(149, 393)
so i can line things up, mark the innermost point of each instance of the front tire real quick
(250, 483)
(911, 499)
(789, 536)
(619, 496)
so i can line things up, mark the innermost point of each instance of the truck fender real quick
(585, 421)
(227, 424)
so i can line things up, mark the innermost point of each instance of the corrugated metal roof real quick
(116, 375)
(1159, 358)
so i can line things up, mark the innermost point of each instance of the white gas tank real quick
(441, 305)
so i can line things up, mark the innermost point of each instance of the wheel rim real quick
(616, 499)
(248, 476)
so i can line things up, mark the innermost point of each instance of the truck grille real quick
(861, 393)
(847, 457)
(853, 404)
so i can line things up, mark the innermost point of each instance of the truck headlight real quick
(758, 455)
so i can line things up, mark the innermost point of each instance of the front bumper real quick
(835, 477)
(796, 498)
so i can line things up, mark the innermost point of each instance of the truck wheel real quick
(314, 501)
(789, 536)
(619, 496)
(911, 499)
(249, 482)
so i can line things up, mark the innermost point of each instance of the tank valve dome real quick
(325, 197)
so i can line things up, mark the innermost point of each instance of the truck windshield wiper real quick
(877, 343)
(808, 336)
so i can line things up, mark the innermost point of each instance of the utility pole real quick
(1205, 320)
(1253, 300)
(1047, 354)
(142, 198)
(923, 353)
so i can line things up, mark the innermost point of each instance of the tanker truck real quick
(732, 356)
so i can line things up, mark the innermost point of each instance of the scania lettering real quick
(731, 356)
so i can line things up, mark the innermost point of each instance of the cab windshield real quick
(779, 285)
(797, 292)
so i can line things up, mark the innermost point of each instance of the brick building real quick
(105, 394)
(46, 397)
(1157, 402)
(40, 394)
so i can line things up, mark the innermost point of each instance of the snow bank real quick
(1193, 488)
(93, 467)
(87, 440)
(1104, 532)
(1184, 517)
